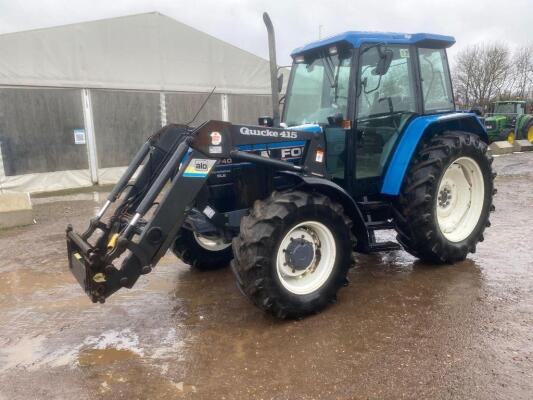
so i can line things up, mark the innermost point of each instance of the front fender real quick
(413, 134)
(337, 193)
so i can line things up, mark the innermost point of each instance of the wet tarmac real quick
(402, 329)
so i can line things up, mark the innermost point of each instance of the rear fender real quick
(521, 124)
(418, 128)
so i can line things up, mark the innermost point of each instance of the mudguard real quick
(522, 125)
(337, 193)
(411, 137)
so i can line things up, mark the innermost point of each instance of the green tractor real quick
(509, 121)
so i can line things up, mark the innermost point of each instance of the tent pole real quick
(163, 108)
(225, 108)
(88, 122)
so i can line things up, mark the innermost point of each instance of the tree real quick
(481, 73)
(522, 82)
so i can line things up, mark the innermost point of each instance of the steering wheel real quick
(389, 102)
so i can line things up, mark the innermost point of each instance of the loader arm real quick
(178, 162)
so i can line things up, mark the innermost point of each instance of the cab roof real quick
(358, 38)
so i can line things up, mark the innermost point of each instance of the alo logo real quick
(201, 165)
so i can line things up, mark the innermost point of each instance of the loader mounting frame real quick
(178, 163)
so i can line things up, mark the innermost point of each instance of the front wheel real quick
(445, 201)
(507, 135)
(293, 253)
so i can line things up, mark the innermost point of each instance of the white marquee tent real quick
(145, 52)
(113, 82)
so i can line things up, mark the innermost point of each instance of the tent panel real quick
(46, 181)
(123, 120)
(181, 107)
(37, 130)
(246, 109)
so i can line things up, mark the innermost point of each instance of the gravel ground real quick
(402, 329)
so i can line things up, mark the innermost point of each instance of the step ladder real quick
(378, 217)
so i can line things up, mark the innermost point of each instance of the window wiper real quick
(336, 87)
(330, 67)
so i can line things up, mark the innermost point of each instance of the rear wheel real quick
(202, 252)
(529, 131)
(446, 198)
(293, 253)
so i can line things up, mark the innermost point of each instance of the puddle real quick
(104, 356)
(24, 353)
(24, 281)
(184, 388)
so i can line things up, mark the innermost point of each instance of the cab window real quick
(436, 85)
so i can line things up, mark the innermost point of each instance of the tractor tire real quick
(446, 198)
(528, 131)
(293, 253)
(199, 253)
(507, 135)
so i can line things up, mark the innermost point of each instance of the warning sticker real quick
(199, 168)
(319, 156)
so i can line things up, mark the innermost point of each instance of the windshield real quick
(319, 89)
(505, 108)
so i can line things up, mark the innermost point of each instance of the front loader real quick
(369, 140)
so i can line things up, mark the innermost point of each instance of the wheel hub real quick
(445, 196)
(306, 257)
(211, 243)
(299, 254)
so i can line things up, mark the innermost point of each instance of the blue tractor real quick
(368, 140)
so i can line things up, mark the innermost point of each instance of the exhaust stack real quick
(273, 69)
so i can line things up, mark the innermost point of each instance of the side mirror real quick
(280, 83)
(385, 59)
(266, 121)
(335, 120)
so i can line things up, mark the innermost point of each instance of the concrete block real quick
(15, 209)
(524, 145)
(502, 147)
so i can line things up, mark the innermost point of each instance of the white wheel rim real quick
(211, 244)
(459, 199)
(319, 270)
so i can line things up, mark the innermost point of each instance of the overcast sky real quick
(296, 22)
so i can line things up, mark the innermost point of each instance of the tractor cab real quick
(510, 107)
(361, 90)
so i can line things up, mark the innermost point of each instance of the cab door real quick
(384, 105)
